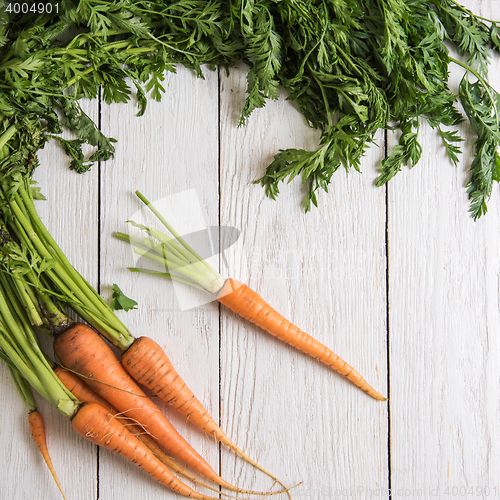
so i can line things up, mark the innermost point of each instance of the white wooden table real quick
(399, 281)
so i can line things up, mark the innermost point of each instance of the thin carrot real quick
(248, 304)
(35, 418)
(83, 351)
(37, 428)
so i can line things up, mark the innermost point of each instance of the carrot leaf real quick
(121, 301)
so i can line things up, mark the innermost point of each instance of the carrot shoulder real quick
(250, 305)
(37, 428)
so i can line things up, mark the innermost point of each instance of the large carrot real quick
(184, 264)
(148, 364)
(83, 351)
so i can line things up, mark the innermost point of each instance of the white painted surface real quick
(399, 281)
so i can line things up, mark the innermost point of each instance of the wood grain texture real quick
(177, 160)
(444, 326)
(325, 271)
(399, 281)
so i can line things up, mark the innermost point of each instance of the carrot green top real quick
(19, 348)
(181, 261)
(43, 273)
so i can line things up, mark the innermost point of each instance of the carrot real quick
(80, 389)
(85, 394)
(83, 351)
(185, 265)
(149, 365)
(37, 428)
(248, 304)
(35, 418)
(96, 424)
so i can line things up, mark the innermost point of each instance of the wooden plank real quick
(171, 151)
(324, 270)
(74, 226)
(444, 331)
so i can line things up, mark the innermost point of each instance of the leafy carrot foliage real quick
(352, 68)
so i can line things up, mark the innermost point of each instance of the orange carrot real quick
(85, 394)
(83, 351)
(80, 389)
(148, 364)
(37, 428)
(96, 424)
(182, 263)
(250, 305)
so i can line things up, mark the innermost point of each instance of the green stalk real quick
(176, 235)
(24, 368)
(7, 136)
(487, 86)
(193, 265)
(18, 342)
(28, 299)
(184, 269)
(173, 277)
(64, 275)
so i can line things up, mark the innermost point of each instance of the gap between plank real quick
(99, 220)
(387, 319)
(219, 208)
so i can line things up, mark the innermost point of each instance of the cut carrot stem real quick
(37, 428)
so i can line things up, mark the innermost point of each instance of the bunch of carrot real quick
(100, 393)
(105, 402)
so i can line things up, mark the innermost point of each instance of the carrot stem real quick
(189, 251)
(40, 245)
(170, 276)
(19, 344)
